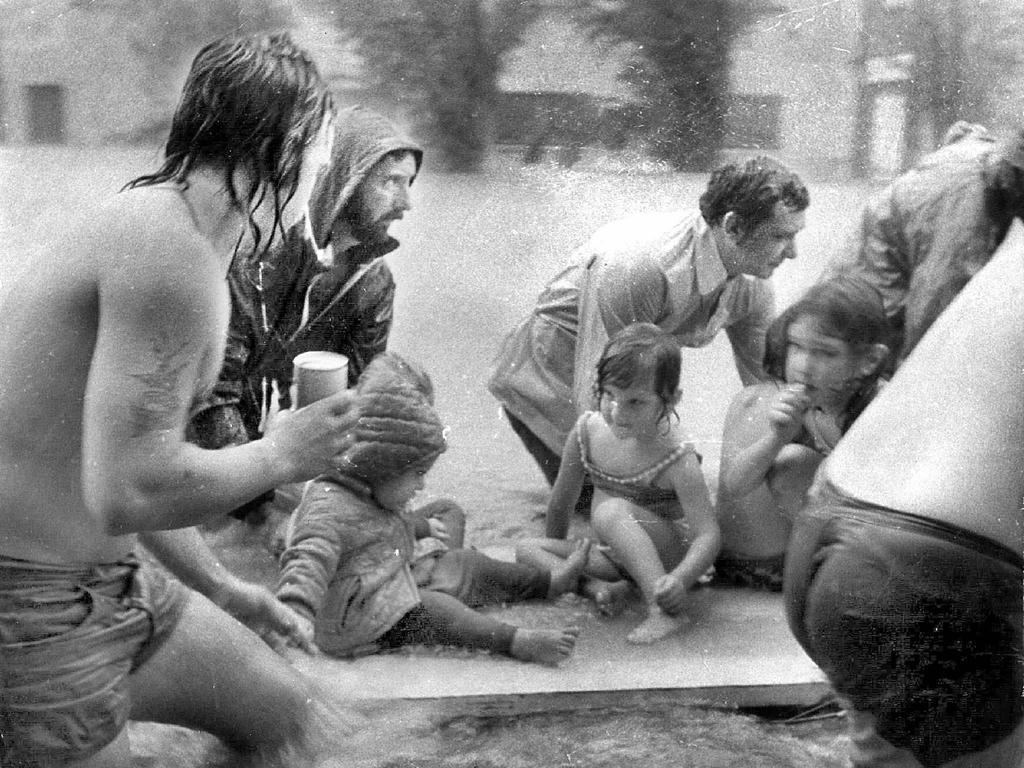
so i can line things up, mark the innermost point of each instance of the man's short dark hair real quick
(751, 191)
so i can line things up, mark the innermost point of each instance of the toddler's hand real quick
(787, 411)
(670, 595)
(438, 529)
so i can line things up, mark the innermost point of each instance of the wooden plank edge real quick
(512, 704)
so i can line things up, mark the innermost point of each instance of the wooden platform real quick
(737, 652)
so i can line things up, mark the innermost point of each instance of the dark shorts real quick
(916, 622)
(756, 572)
(478, 580)
(69, 638)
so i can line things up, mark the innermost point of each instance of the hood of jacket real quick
(361, 138)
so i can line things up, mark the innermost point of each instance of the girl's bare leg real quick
(565, 577)
(601, 580)
(625, 527)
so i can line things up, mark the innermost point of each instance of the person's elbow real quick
(736, 482)
(127, 502)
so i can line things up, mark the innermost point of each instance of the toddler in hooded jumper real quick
(371, 575)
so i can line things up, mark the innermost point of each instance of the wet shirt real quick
(923, 237)
(662, 268)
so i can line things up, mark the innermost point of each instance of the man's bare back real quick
(113, 329)
(142, 251)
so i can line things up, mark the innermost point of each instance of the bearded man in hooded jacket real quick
(327, 287)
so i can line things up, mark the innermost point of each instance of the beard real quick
(364, 227)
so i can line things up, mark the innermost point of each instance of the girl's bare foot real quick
(566, 577)
(610, 596)
(544, 646)
(656, 626)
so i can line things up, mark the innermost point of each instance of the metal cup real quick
(316, 375)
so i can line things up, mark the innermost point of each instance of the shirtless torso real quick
(110, 335)
(76, 380)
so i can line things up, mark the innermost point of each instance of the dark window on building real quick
(752, 121)
(45, 113)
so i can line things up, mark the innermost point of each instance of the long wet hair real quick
(846, 308)
(641, 352)
(250, 103)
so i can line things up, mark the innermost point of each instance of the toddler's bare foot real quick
(544, 646)
(566, 577)
(656, 626)
(610, 596)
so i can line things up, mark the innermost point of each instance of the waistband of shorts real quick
(894, 519)
(18, 573)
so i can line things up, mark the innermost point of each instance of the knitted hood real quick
(398, 428)
(361, 138)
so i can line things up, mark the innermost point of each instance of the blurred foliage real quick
(680, 68)
(171, 30)
(964, 62)
(961, 50)
(439, 60)
(168, 33)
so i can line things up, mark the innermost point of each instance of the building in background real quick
(65, 81)
(834, 88)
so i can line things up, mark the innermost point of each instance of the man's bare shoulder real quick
(150, 215)
(145, 230)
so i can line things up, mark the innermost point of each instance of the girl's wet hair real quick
(845, 307)
(252, 103)
(641, 352)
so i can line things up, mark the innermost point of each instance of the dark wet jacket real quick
(349, 304)
(923, 237)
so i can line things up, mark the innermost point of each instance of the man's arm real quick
(748, 331)
(161, 312)
(613, 296)
(375, 294)
(186, 554)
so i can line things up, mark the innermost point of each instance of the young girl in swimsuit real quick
(651, 508)
(824, 355)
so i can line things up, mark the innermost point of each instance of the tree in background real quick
(167, 34)
(680, 69)
(963, 61)
(439, 61)
(966, 54)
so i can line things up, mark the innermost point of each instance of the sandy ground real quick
(476, 251)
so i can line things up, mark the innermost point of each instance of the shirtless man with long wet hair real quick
(108, 339)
